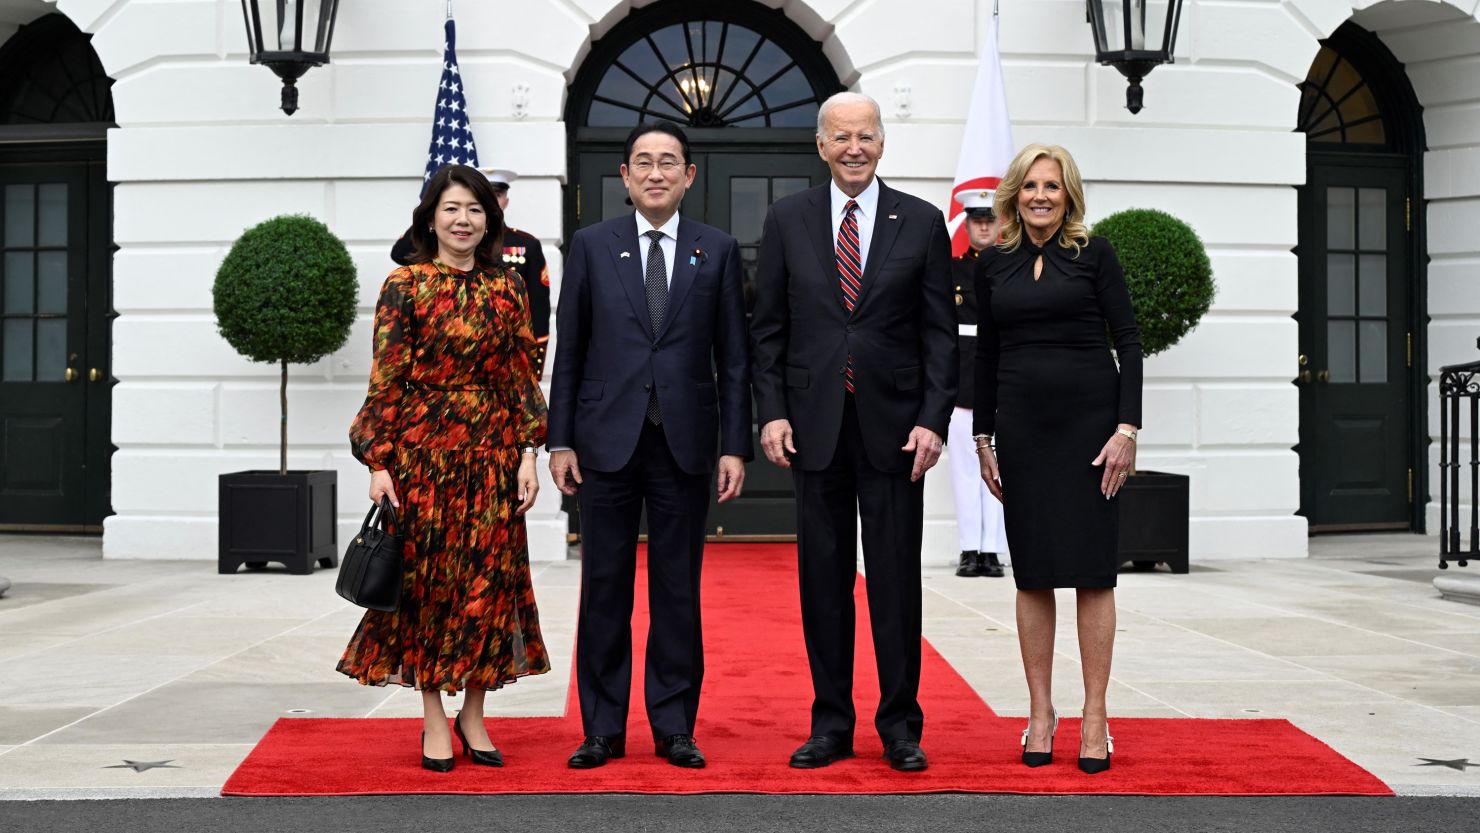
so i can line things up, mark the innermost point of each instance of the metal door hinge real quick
(1410, 350)
(1410, 485)
(578, 202)
(1408, 214)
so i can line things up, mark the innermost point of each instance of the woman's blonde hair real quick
(1074, 233)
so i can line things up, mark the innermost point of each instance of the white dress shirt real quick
(866, 213)
(668, 243)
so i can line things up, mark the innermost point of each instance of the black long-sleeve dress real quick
(1048, 388)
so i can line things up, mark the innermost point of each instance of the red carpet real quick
(755, 712)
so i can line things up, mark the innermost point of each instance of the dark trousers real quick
(611, 503)
(828, 504)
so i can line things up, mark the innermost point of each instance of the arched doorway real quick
(55, 269)
(1361, 297)
(745, 82)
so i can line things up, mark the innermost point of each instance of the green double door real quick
(732, 191)
(1356, 362)
(54, 369)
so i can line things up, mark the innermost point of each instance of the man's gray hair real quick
(837, 99)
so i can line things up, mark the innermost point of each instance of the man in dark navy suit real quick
(854, 343)
(650, 385)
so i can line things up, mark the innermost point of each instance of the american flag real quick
(452, 132)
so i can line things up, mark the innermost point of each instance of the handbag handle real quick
(372, 519)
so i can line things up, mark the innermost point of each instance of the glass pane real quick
(663, 110)
(640, 59)
(53, 201)
(20, 282)
(747, 207)
(802, 115)
(614, 198)
(605, 115)
(1341, 350)
(1372, 219)
(739, 42)
(738, 110)
(20, 215)
(1341, 218)
(1341, 284)
(51, 349)
(18, 350)
(1372, 297)
(51, 282)
(768, 62)
(1374, 352)
(711, 41)
(280, 28)
(620, 86)
(673, 45)
(790, 87)
(785, 186)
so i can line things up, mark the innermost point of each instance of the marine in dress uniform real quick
(523, 254)
(979, 523)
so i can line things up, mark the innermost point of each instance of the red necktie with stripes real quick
(850, 271)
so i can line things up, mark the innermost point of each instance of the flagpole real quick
(449, 9)
(994, 7)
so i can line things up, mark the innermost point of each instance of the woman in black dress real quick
(1060, 419)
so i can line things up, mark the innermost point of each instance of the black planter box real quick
(1154, 506)
(288, 518)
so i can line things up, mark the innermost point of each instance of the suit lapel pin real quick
(697, 256)
(894, 216)
(626, 254)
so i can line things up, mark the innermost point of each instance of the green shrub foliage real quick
(1166, 269)
(286, 292)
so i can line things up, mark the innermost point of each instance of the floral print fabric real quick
(452, 400)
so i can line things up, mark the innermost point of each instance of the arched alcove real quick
(56, 107)
(1362, 289)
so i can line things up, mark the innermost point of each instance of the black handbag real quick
(370, 574)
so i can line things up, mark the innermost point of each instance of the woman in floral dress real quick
(449, 430)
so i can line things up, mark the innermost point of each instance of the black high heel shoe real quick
(1094, 766)
(490, 758)
(434, 764)
(1037, 759)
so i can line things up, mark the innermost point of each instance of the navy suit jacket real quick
(901, 333)
(607, 359)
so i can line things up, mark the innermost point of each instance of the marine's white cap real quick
(500, 177)
(977, 203)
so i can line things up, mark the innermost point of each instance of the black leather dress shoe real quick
(680, 750)
(988, 565)
(820, 751)
(595, 750)
(905, 755)
(968, 567)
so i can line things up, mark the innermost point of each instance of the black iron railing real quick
(1458, 384)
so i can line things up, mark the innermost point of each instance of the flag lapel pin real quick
(894, 216)
(626, 254)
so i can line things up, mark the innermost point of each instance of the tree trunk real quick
(283, 398)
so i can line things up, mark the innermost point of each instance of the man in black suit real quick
(650, 384)
(853, 338)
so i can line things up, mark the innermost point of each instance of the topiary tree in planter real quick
(1166, 269)
(1171, 285)
(284, 294)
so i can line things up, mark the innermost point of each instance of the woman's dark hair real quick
(647, 127)
(424, 239)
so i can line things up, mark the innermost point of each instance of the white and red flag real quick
(986, 146)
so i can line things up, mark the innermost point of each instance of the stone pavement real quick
(110, 662)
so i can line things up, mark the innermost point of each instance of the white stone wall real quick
(202, 152)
